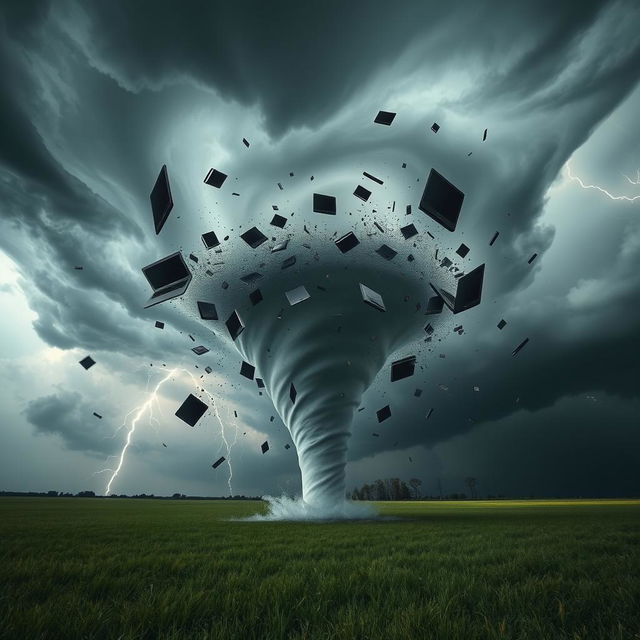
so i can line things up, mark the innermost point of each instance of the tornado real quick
(319, 356)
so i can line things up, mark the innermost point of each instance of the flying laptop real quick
(161, 200)
(169, 278)
(468, 293)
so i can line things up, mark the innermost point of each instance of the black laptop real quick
(168, 277)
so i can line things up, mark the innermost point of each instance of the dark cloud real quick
(67, 415)
(94, 98)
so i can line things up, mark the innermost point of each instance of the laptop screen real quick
(166, 271)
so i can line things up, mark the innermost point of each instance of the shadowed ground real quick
(179, 569)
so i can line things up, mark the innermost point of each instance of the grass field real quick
(86, 568)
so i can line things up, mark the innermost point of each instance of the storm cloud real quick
(95, 98)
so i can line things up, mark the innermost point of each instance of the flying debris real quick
(293, 394)
(78, 268)
(403, 368)
(409, 231)
(484, 135)
(281, 246)
(159, 325)
(347, 242)
(324, 204)
(368, 175)
(384, 117)
(254, 237)
(494, 238)
(299, 294)
(434, 305)
(278, 221)
(378, 227)
(245, 142)
(462, 250)
(370, 297)
(210, 240)
(161, 200)
(164, 445)
(289, 262)
(502, 324)
(250, 278)
(435, 127)
(207, 310)
(386, 252)
(87, 362)
(520, 347)
(97, 415)
(408, 211)
(191, 410)
(255, 297)
(280, 186)
(215, 178)
(208, 369)
(532, 258)
(287, 446)
(193, 258)
(200, 350)
(264, 447)
(234, 325)
(384, 413)
(168, 277)
(247, 370)
(428, 329)
(260, 383)
(429, 414)
(220, 460)
(469, 291)
(441, 200)
(362, 193)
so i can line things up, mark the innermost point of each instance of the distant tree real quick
(415, 484)
(380, 490)
(471, 483)
(405, 494)
(52, 494)
(86, 494)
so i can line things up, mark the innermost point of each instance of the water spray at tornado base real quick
(351, 290)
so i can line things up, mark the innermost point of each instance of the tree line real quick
(397, 489)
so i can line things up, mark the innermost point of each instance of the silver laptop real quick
(168, 277)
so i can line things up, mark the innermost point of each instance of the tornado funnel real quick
(319, 356)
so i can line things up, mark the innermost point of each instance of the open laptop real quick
(468, 292)
(168, 277)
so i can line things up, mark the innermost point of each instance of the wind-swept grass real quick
(88, 568)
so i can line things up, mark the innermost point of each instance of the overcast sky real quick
(96, 97)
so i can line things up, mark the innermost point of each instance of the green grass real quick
(83, 568)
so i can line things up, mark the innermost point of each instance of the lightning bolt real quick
(140, 412)
(636, 181)
(597, 188)
(147, 406)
